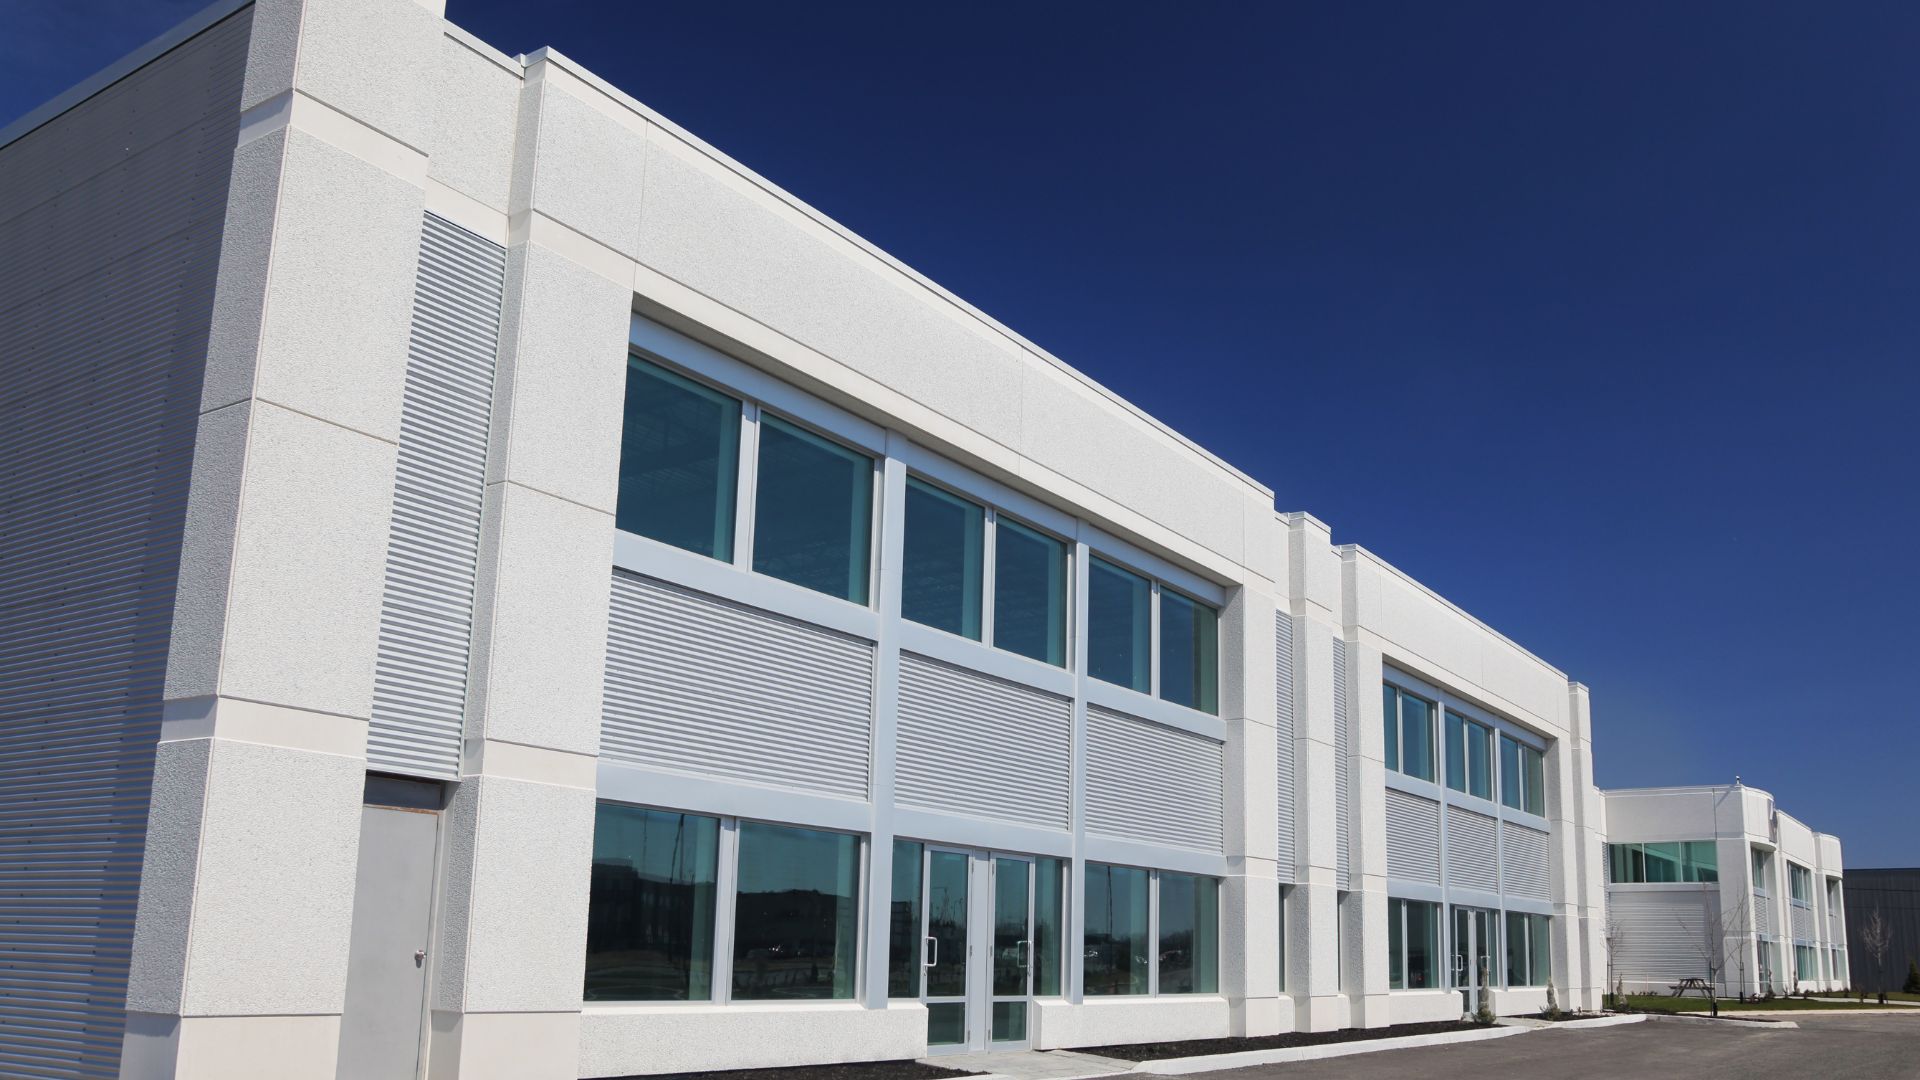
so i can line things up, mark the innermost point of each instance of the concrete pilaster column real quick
(1314, 931)
(1366, 958)
(240, 951)
(1249, 971)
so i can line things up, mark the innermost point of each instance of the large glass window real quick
(1805, 966)
(1409, 732)
(1029, 593)
(940, 576)
(1522, 776)
(1799, 883)
(679, 461)
(650, 906)
(813, 511)
(1189, 652)
(1673, 861)
(1189, 934)
(1049, 926)
(903, 923)
(1285, 892)
(1116, 931)
(1413, 945)
(1469, 756)
(796, 913)
(1119, 626)
(1529, 949)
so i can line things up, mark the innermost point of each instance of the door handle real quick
(1026, 951)
(419, 957)
(933, 951)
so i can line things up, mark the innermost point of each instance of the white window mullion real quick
(1153, 638)
(744, 488)
(726, 886)
(1153, 932)
(988, 570)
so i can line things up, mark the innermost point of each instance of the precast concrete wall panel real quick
(111, 217)
(1154, 784)
(702, 685)
(972, 744)
(426, 617)
(1413, 837)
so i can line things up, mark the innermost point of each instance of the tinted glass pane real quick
(1479, 760)
(1283, 939)
(1663, 862)
(1390, 719)
(903, 921)
(947, 1024)
(812, 511)
(940, 571)
(1189, 934)
(679, 461)
(1423, 945)
(1049, 919)
(651, 906)
(1010, 927)
(1009, 1021)
(1119, 626)
(947, 876)
(1510, 772)
(1029, 593)
(796, 914)
(1540, 946)
(1456, 752)
(1396, 945)
(1189, 652)
(1536, 780)
(1416, 737)
(1517, 965)
(1116, 930)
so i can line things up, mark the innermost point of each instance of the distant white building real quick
(1718, 883)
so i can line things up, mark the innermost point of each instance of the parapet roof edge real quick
(550, 55)
(1355, 550)
(119, 69)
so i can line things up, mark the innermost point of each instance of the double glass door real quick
(978, 953)
(1472, 954)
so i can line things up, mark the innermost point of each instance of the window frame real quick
(1397, 965)
(1153, 935)
(1799, 885)
(726, 895)
(1467, 726)
(984, 601)
(750, 526)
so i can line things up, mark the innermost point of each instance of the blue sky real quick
(1602, 322)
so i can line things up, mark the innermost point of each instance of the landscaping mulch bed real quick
(1201, 1047)
(1563, 1017)
(857, 1070)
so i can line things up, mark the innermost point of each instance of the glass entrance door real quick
(944, 989)
(1472, 954)
(1011, 993)
(978, 975)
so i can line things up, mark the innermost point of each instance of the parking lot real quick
(1867, 1047)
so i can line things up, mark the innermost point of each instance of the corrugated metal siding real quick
(1763, 915)
(1662, 934)
(1472, 855)
(1524, 862)
(426, 618)
(703, 685)
(969, 743)
(1283, 735)
(1342, 764)
(1413, 837)
(113, 215)
(1802, 919)
(1152, 783)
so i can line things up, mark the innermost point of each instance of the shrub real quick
(1913, 978)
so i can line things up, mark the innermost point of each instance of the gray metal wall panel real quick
(1283, 735)
(1763, 923)
(1523, 862)
(969, 743)
(1154, 784)
(1343, 764)
(110, 217)
(426, 618)
(703, 685)
(1662, 935)
(1472, 854)
(1802, 922)
(1413, 837)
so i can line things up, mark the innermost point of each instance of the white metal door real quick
(381, 1027)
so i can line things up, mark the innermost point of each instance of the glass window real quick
(1189, 934)
(1469, 756)
(940, 575)
(1390, 721)
(1663, 862)
(1700, 861)
(813, 511)
(1800, 883)
(796, 913)
(1416, 737)
(1049, 926)
(1116, 930)
(1029, 593)
(1804, 964)
(1413, 945)
(679, 461)
(903, 923)
(1511, 779)
(1189, 652)
(1536, 764)
(1676, 861)
(650, 905)
(1119, 626)
(1529, 949)
(1456, 751)
(1762, 871)
(1285, 892)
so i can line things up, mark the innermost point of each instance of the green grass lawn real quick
(1892, 995)
(1664, 1003)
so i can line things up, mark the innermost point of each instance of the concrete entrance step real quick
(1032, 1064)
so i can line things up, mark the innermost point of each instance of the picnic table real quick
(1680, 988)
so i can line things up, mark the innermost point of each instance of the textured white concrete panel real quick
(246, 249)
(206, 552)
(476, 105)
(617, 1041)
(587, 168)
(562, 379)
(504, 1046)
(1424, 1006)
(340, 291)
(274, 902)
(527, 920)
(540, 644)
(230, 1047)
(309, 558)
(374, 61)
(1110, 1021)
(158, 969)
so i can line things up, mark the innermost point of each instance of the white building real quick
(1717, 883)
(495, 588)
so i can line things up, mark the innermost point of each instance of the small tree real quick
(1913, 978)
(1877, 935)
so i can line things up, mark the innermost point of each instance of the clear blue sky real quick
(1601, 322)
